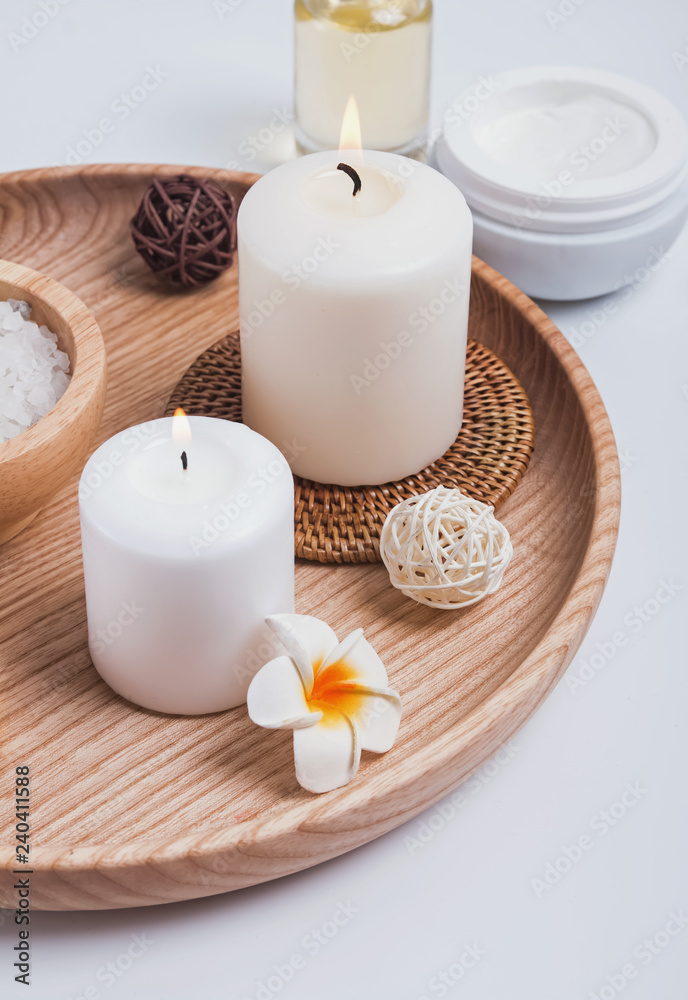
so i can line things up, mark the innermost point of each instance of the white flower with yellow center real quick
(334, 695)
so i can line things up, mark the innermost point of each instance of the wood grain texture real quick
(131, 807)
(37, 463)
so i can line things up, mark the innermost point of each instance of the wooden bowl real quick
(39, 461)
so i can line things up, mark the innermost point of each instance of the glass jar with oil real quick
(376, 50)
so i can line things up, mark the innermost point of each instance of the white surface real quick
(416, 914)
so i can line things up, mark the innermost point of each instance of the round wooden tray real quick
(338, 524)
(130, 807)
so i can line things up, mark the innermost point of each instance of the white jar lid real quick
(563, 149)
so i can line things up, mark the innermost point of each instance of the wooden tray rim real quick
(542, 668)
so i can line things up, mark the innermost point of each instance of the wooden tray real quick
(130, 807)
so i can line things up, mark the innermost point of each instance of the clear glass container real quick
(376, 50)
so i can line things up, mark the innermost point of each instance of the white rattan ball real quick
(445, 549)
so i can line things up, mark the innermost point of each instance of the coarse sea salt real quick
(34, 372)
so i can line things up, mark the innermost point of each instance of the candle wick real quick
(185, 461)
(353, 174)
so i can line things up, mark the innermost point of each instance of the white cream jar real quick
(573, 176)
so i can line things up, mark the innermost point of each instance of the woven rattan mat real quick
(338, 524)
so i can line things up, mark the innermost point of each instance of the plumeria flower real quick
(334, 695)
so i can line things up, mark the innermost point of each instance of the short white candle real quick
(354, 313)
(183, 565)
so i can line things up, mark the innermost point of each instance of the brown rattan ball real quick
(185, 229)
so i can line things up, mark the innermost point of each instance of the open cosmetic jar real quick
(574, 176)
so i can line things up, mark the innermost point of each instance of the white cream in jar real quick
(569, 129)
(572, 175)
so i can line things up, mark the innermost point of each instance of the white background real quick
(417, 909)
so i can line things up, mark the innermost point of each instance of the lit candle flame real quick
(181, 431)
(350, 138)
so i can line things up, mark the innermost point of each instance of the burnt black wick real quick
(352, 174)
(185, 461)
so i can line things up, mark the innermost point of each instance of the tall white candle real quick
(354, 312)
(183, 564)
